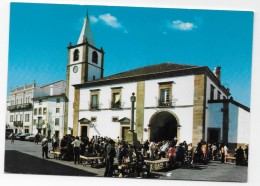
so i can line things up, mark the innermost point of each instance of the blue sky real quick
(131, 38)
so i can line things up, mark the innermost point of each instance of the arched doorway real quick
(163, 126)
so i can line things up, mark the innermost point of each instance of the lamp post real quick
(132, 99)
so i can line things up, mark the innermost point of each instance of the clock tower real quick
(85, 63)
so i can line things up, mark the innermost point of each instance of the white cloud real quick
(180, 25)
(110, 20)
(93, 19)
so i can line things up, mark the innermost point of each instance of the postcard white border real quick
(28, 180)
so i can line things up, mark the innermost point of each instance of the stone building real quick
(172, 100)
(19, 108)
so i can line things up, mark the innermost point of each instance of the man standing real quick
(12, 138)
(110, 155)
(45, 147)
(76, 144)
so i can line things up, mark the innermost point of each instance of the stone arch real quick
(163, 125)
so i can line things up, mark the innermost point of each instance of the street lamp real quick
(132, 99)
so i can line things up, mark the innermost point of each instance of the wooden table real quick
(153, 163)
(89, 158)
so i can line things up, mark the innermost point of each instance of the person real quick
(45, 147)
(55, 142)
(37, 137)
(222, 151)
(76, 144)
(12, 138)
(171, 156)
(110, 155)
(246, 153)
(151, 150)
(225, 153)
(239, 156)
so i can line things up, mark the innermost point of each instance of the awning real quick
(124, 120)
(84, 121)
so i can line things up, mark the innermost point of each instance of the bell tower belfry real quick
(85, 63)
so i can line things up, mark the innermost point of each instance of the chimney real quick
(217, 72)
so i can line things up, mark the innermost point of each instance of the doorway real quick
(84, 131)
(213, 135)
(163, 126)
(124, 132)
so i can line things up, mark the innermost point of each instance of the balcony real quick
(18, 123)
(165, 103)
(116, 105)
(94, 106)
(20, 107)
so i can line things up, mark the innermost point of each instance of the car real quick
(17, 136)
(32, 137)
(22, 136)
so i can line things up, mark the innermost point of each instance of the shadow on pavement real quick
(17, 162)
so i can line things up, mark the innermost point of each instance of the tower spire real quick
(86, 32)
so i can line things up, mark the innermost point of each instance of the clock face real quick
(75, 69)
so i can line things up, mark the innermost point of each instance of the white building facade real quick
(49, 109)
(172, 100)
(19, 108)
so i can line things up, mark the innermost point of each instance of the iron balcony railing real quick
(116, 105)
(19, 106)
(18, 123)
(94, 106)
(165, 103)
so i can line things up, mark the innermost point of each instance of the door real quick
(213, 135)
(124, 133)
(84, 131)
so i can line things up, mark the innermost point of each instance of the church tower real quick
(85, 63)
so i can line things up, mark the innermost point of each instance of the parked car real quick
(32, 137)
(22, 136)
(17, 136)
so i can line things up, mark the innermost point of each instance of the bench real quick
(153, 163)
(91, 159)
(56, 154)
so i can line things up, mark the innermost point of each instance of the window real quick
(93, 119)
(40, 102)
(11, 118)
(35, 111)
(44, 111)
(116, 97)
(114, 119)
(26, 131)
(16, 118)
(212, 89)
(57, 121)
(40, 111)
(94, 57)
(57, 110)
(94, 102)
(27, 117)
(35, 121)
(21, 117)
(58, 100)
(165, 94)
(76, 55)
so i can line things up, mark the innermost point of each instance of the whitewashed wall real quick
(239, 125)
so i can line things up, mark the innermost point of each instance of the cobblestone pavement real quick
(25, 157)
